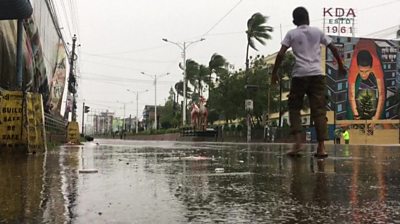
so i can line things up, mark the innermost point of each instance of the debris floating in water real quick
(88, 171)
(219, 170)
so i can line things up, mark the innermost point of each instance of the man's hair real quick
(300, 16)
(364, 58)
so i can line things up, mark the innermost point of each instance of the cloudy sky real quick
(122, 38)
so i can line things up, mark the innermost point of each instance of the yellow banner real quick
(10, 119)
(73, 132)
(35, 126)
(22, 126)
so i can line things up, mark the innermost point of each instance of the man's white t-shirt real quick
(305, 42)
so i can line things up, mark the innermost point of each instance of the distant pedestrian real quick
(307, 77)
(338, 133)
(346, 136)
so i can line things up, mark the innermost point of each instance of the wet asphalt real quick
(117, 181)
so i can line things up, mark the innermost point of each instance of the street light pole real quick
(123, 119)
(155, 102)
(183, 46)
(137, 107)
(137, 112)
(155, 95)
(184, 85)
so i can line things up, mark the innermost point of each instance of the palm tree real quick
(256, 29)
(179, 89)
(216, 65)
(192, 75)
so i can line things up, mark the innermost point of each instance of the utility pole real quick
(71, 73)
(83, 119)
(20, 55)
(155, 95)
(137, 107)
(85, 109)
(137, 113)
(280, 101)
(123, 121)
(155, 102)
(71, 82)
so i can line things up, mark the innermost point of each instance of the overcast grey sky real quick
(122, 38)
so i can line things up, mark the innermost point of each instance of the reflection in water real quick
(38, 188)
(172, 182)
(20, 187)
(321, 190)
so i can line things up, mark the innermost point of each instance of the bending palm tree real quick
(218, 66)
(256, 29)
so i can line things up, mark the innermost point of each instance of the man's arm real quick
(381, 99)
(278, 61)
(352, 101)
(335, 53)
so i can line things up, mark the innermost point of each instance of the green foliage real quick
(226, 127)
(170, 113)
(239, 128)
(366, 106)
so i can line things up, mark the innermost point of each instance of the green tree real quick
(170, 112)
(227, 98)
(285, 71)
(260, 76)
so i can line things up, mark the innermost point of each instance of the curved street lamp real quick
(183, 46)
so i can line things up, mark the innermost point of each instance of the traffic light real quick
(87, 109)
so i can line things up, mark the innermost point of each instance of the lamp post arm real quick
(192, 42)
(175, 43)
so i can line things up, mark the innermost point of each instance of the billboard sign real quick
(369, 89)
(58, 82)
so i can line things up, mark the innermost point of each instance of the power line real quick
(379, 5)
(66, 20)
(115, 66)
(117, 79)
(135, 51)
(220, 20)
(126, 59)
(75, 16)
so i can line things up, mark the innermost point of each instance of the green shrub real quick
(226, 127)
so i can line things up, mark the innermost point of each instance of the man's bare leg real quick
(297, 146)
(321, 150)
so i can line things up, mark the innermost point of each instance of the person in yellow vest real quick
(346, 136)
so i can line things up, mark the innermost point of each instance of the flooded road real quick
(187, 182)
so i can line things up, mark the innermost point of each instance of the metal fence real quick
(56, 128)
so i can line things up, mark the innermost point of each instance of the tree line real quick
(225, 86)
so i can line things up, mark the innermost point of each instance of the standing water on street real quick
(188, 182)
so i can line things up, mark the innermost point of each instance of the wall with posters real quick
(44, 56)
(371, 87)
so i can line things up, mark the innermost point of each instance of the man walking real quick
(307, 77)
